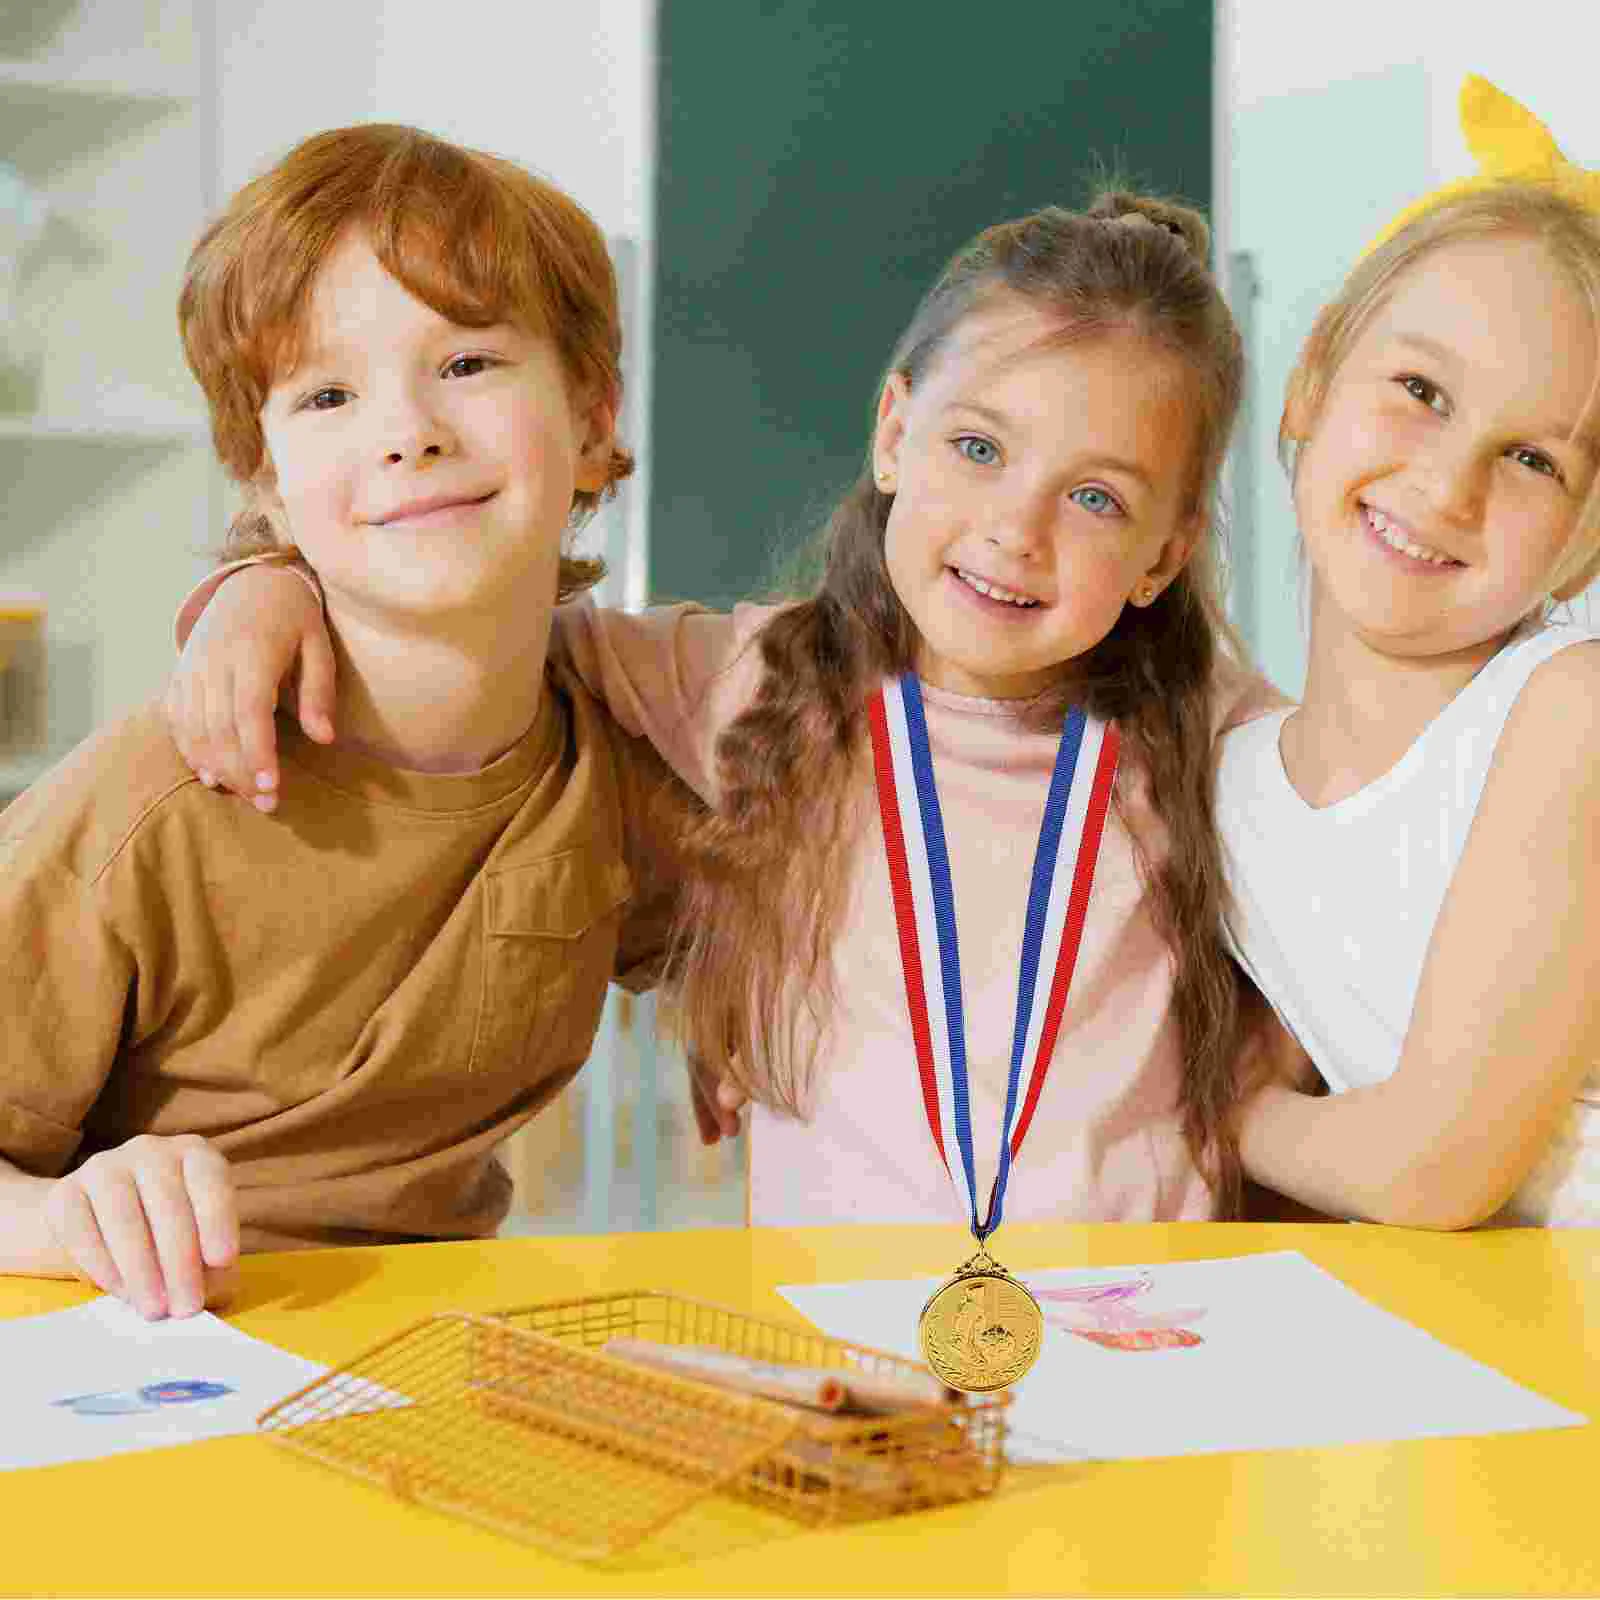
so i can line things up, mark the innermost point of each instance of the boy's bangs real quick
(452, 238)
(462, 249)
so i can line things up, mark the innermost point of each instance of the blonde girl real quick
(1413, 850)
(1032, 533)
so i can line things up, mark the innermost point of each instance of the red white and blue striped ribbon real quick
(924, 903)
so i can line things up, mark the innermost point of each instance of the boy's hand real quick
(221, 697)
(153, 1222)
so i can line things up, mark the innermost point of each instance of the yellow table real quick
(1509, 1514)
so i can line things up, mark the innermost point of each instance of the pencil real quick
(832, 1389)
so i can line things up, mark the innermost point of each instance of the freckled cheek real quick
(534, 447)
(324, 492)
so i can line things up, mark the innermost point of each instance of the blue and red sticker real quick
(148, 1397)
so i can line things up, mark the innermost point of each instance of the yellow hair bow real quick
(1511, 145)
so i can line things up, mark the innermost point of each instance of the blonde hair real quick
(475, 237)
(770, 877)
(1569, 234)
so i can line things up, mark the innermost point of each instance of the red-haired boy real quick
(227, 1030)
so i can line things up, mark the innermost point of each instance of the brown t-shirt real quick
(356, 999)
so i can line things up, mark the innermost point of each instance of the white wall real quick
(1333, 117)
(565, 89)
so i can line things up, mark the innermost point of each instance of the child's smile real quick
(994, 592)
(435, 511)
(1398, 541)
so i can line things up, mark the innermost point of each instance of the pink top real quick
(1105, 1143)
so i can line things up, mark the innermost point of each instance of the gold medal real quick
(981, 1329)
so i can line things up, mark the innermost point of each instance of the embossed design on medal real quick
(981, 1329)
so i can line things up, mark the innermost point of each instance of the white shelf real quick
(49, 119)
(27, 76)
(98, 430)
(108, 489)
(19, 772)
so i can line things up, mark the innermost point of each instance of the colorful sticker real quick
(149, 1397)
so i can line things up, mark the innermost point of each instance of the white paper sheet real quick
(99, 1380)
(1254, 1352)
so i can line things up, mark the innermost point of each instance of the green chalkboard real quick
(818, 162)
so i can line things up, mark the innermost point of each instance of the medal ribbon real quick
(925, 916)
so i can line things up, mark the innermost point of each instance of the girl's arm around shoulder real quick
(675, 675)
(240, 633)
(1507, 1016)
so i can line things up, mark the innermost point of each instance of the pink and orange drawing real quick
(1103, 1314)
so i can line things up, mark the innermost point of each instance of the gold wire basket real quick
(520, 1422)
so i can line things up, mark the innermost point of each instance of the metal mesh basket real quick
(520, 1422)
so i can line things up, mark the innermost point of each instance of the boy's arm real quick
(142, 1220)
(27, 1243)
(1505, 1024)
(658, 809)
(240, 632)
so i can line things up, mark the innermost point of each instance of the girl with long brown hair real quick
(1021, 583)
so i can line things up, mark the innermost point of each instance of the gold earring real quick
(1144, 592)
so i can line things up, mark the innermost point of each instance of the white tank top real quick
(1334, 907)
